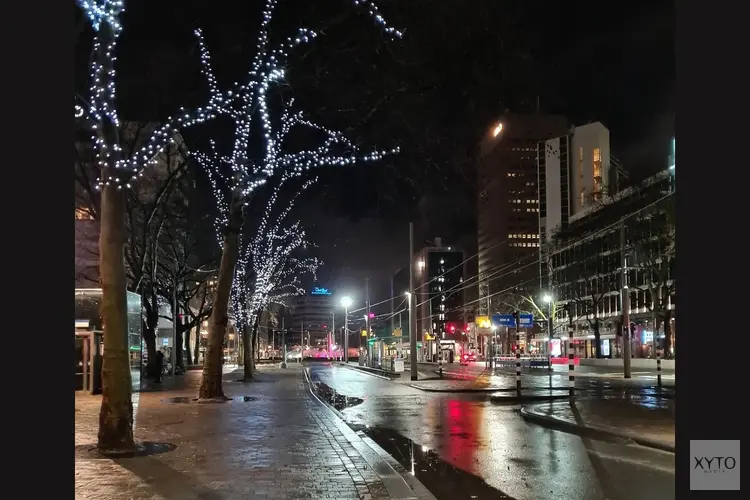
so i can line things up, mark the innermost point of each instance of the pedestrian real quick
(159, 364)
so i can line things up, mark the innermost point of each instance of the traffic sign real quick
(524, 320)
(483, 322)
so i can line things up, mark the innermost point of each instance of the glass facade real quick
(87, 304)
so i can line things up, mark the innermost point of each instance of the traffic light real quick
(451, 327)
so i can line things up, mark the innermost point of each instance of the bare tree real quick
(274, 274)
(244, 175)
(654, 256)
(150, 209)
(118, 173)
(189, 282)
(589, 293)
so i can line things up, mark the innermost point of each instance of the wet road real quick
(455, 439)
(583, 374)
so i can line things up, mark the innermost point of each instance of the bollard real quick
(571, 375)
(658, 370)
(518, 370)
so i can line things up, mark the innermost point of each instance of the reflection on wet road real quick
(515, 458)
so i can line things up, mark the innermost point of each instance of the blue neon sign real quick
(320, 291)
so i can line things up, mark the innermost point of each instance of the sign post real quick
(508, 320)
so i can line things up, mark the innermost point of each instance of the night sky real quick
(434, 93)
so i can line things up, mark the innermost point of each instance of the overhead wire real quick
(505, 266)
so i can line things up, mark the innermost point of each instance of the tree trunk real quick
(597, 339)
(256, 345)
(151, 353)
(211, 387)
(116, 414)
(151, 304)
(149, 337)
(197, 345)
(256, 338)
(188, 353)
(247, 350)
(668, 334)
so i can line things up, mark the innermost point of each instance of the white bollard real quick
(571, 375)
(658, 370)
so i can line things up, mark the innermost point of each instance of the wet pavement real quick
(474, 377)
(650, 421)
(273, 440)
(462, 446)
(585, 376)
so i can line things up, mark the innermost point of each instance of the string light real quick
(276, 274)
(267, 69)
(266, 270)
(104, 16)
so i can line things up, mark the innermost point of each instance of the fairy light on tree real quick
(117, 172)
(275, 273)
(242, 176)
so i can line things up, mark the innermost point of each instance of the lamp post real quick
(412, 317)
(412, 343)
(367, 332)
(333, 334)
(547, 299)
(345, 303)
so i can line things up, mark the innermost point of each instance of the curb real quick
(490, 389)
(574, 428)
(429, 389)
(497, 398)
(357, 368)
(397, 486)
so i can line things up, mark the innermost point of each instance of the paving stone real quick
(282, 445)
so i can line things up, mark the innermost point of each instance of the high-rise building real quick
(574, 174)
(311, 314)
(583, 217)
(440, 296)
(508, 205)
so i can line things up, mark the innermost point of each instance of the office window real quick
(580, 162)
(597, 169)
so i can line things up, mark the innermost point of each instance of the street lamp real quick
(408, 301)
(345, 303)
(547, 299)
(496, 131)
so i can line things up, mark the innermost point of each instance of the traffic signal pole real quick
(412, 315)
(625, 301)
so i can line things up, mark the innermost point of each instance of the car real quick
(469, 357)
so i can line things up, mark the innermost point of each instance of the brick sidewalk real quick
(652, 422)
(284, 444)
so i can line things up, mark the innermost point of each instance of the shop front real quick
(585, 347)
